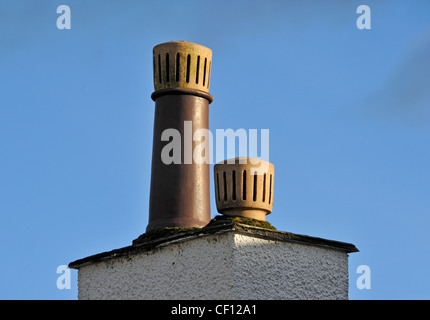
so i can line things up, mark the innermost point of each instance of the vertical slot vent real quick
(270, 190)
(217, 186)
(233, 177)
(159, 69)
(264, 188)
(255, 187)
(244, 185)
(225, 186)
(204, 72)
(177, 66)
(198, 69)
(167, 68)
(188, 68)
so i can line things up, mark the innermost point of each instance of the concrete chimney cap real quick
(182, 64)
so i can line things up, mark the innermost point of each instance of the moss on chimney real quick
(242, 220)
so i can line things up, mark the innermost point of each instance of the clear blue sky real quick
(348, 112)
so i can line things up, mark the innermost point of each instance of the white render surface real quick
(220, 266)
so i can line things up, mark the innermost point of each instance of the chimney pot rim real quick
(249, 161)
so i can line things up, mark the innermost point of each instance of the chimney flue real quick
(179, 195)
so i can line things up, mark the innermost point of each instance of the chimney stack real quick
(179, 194)
(222, 259)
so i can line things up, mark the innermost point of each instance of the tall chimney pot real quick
(179, 193)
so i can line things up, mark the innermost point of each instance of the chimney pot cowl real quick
(182, 64)
(244, 187)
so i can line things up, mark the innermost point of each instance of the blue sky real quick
(348, 112)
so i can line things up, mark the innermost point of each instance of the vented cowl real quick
(182, 64)
(244, 187)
